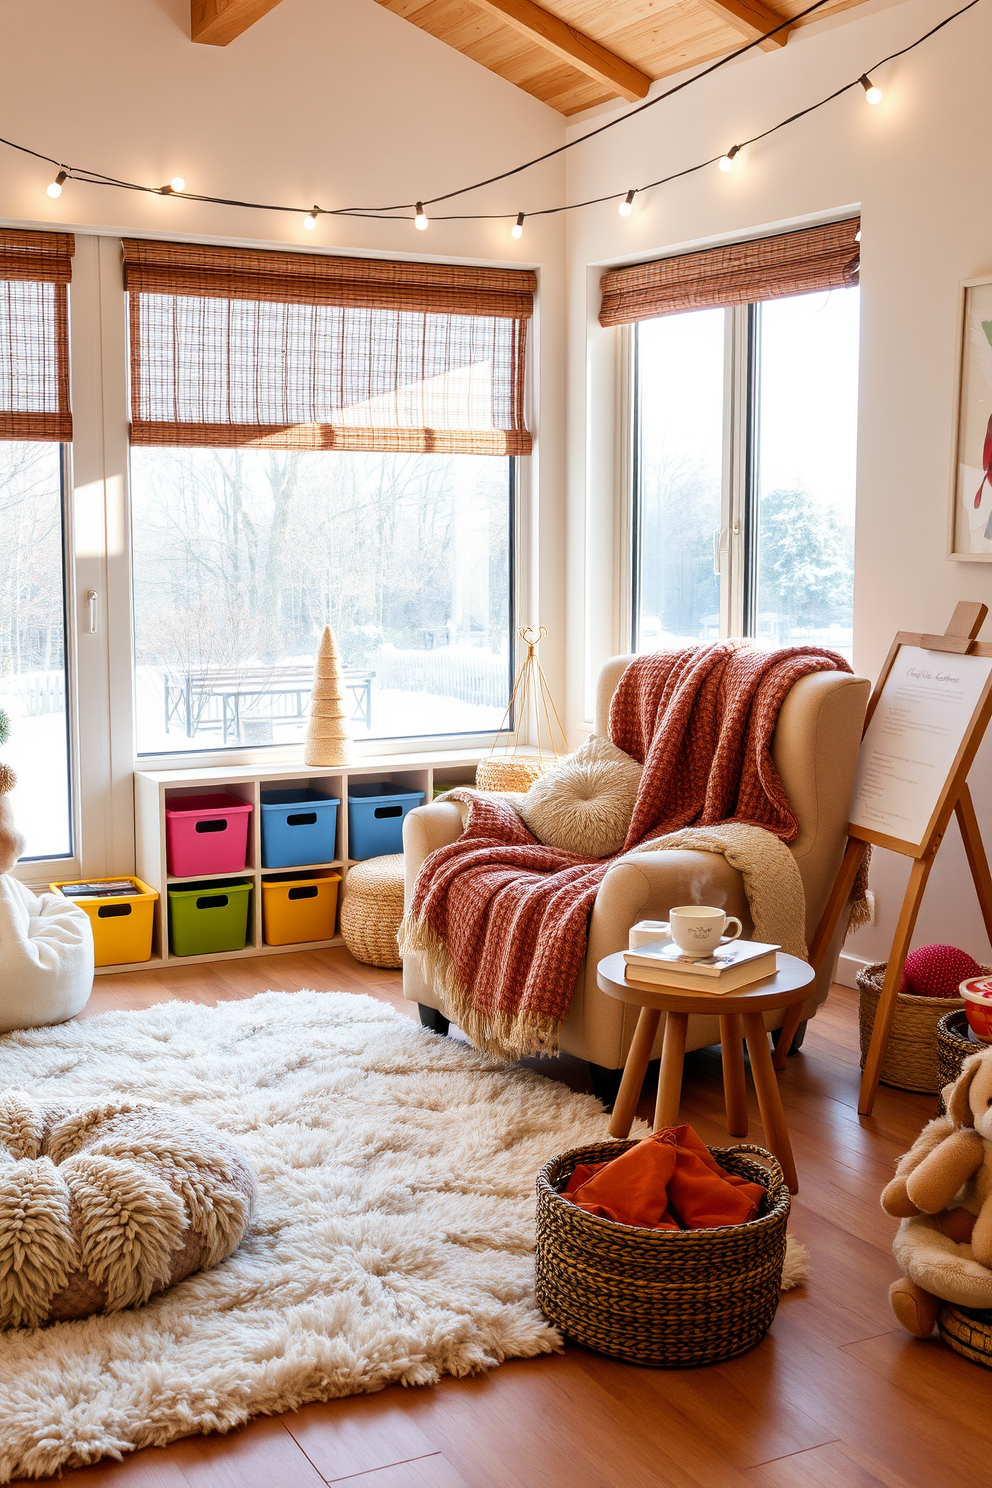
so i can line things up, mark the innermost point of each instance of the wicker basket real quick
(911, 1058)
(371, 910)
(510, 772)
(967, 1331)
(669, 1298)
(953, 1048)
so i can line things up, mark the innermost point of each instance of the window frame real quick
(736, 552)
(97, 557)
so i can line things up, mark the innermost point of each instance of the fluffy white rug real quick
(392, 1241)
(393, 1238)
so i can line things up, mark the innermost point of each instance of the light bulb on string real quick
(872, 94)
(55, 188)
(420, 220)
(726, 162)
(177, 183)
(517, 230)
(310, 220)
(627, 205)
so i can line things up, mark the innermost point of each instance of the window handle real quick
(716, 552)
(92, 599)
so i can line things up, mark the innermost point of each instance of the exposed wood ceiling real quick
(218, 22)
(655, 37)
(571, 54)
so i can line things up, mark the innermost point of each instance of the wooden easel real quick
(955, 799)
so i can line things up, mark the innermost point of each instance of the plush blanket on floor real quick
(501, 921)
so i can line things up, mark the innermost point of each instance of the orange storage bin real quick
(299, 907)
(122, 923)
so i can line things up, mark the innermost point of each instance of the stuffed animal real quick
(46, 942)
(942, 1192)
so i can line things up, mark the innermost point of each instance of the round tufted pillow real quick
(103, 1206)
(584, 804)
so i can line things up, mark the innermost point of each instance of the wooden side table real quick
(740, 1013)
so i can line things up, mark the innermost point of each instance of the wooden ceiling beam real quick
(753, 18)
(555, 35)
(218, 22)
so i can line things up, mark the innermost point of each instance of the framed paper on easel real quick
(925, 721)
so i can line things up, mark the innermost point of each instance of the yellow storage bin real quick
(298, 907)
(122, 922)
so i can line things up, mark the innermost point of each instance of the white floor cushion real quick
(46, 957)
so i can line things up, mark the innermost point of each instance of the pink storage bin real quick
(206, 834)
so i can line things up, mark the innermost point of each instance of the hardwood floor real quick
(836, 1396)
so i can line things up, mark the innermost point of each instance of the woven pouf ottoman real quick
(372, 909)
(102, 1206)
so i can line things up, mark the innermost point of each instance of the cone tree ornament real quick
(327, 740)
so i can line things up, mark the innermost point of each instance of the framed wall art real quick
(971, 512)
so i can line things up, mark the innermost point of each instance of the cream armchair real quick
(815, 748)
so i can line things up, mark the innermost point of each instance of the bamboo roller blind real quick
(232, 346)
(35, 270)
(813, 259)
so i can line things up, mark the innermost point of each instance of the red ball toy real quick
(937, 971)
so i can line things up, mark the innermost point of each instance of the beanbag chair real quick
(46, 957)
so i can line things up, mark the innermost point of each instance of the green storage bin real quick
(208, 917)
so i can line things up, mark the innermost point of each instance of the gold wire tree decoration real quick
(530, 713)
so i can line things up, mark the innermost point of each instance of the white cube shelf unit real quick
(154, 788)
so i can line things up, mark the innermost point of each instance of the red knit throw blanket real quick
(501, 921)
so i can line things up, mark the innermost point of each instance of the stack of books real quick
(737, 963)
(116, 888)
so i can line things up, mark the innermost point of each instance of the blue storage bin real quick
(375, 818)
(298, 826)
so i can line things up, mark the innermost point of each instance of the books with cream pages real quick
(737, 963)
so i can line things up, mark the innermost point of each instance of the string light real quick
(517, 230)
(400, 212)
(627, 205)
(872, 94)
(310, 220)
(177, 183)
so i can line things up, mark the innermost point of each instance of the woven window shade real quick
(35, 269)
(814, 259)
(299, 351)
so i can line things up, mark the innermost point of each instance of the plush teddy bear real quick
(11, 842)
(942, 1192)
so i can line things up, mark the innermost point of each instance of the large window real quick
(32, 643)
(748, 520)
(241, 556)
(321, 441)
(35, 425)
(745, 440)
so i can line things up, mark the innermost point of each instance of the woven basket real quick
(967, 1331)
(911, 1058)
(371, 910)
(510, 772)
(669, 1298)
(953, 1048)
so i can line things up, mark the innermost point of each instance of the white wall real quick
(337, 102)
(340, 101)
(918, 166)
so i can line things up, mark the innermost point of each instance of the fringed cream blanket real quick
(772, 883)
